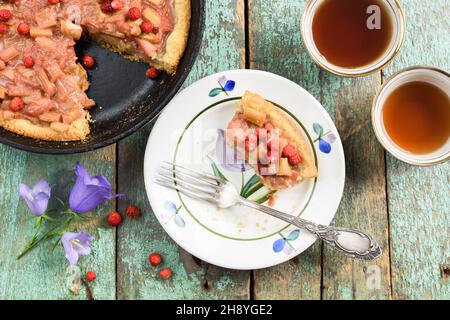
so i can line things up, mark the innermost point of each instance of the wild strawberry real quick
(5, 14)
(91, 276)
(133, 211)
(155, 259)
(88, 61)
(16, 104)
(117, 5)
(165, 273)
(23, 28)
(114, 218)
(152, 73)
(53, 2)
(106, 6)
(28, 62)
(147, 26)
(134, 13)
(4, 28)
(288, 151)
(295, 159)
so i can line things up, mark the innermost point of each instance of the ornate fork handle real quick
(354, 243)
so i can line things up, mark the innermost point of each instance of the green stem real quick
(321, 136)
(48, 235)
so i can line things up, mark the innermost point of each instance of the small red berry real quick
(28, 62)
(147, 26)
(106, 6)
(155, 259)
(295, 159)
(53, 2)
(288, 151)
(133, 211)
(16, 104)
(88, 61)
(117, 5)
(114, 218)
(23, 29)
(152, 73)
(3, 28)
(90, 276)
(134, 13)
(5, 14)
(165, 273)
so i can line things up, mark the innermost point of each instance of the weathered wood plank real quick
(42, 274)
(419, 202)
(276, 46)
(223, 48)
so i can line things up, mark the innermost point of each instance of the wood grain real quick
(42, 273)
(419, 202)
(276, 46)
(223, 48)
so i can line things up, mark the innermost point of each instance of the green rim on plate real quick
(218, 233)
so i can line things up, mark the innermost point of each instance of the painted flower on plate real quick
(225, 86)
(173, 212)
(283, 244)
(325, 139)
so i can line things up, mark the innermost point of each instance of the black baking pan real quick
(126, 98)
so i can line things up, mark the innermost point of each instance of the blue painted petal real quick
(215, 92)
(318, 129)
(179, 221)
(324, 146)
(293, 235)
(170, 206)
(278, 245)
(229, 86)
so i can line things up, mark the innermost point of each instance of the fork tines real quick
(192, 183)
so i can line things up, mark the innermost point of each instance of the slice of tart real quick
(150, 31)
(273, 145)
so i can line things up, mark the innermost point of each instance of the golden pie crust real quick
(307, 169)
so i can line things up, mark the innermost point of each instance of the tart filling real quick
(270, 143)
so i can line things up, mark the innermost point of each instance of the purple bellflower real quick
(76, 245)
(36, 197)
(89, 191)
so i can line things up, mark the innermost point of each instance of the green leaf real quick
(216, 171)
(264, 198)
(254, 180)
(215, 92)
(318, 129)
(293, 235)
(253, 190)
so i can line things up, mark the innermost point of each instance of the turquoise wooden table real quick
(406, 208)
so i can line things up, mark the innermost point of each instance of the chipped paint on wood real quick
(42, 274)
(222, 49)
(275, 33)
(419, 202)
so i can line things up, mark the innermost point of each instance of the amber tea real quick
(352, 33)
(416, 117)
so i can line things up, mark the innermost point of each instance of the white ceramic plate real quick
(187, 132)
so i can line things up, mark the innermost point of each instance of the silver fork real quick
(207, 187)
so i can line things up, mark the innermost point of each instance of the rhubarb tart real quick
(271, 143)
(42, 86)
